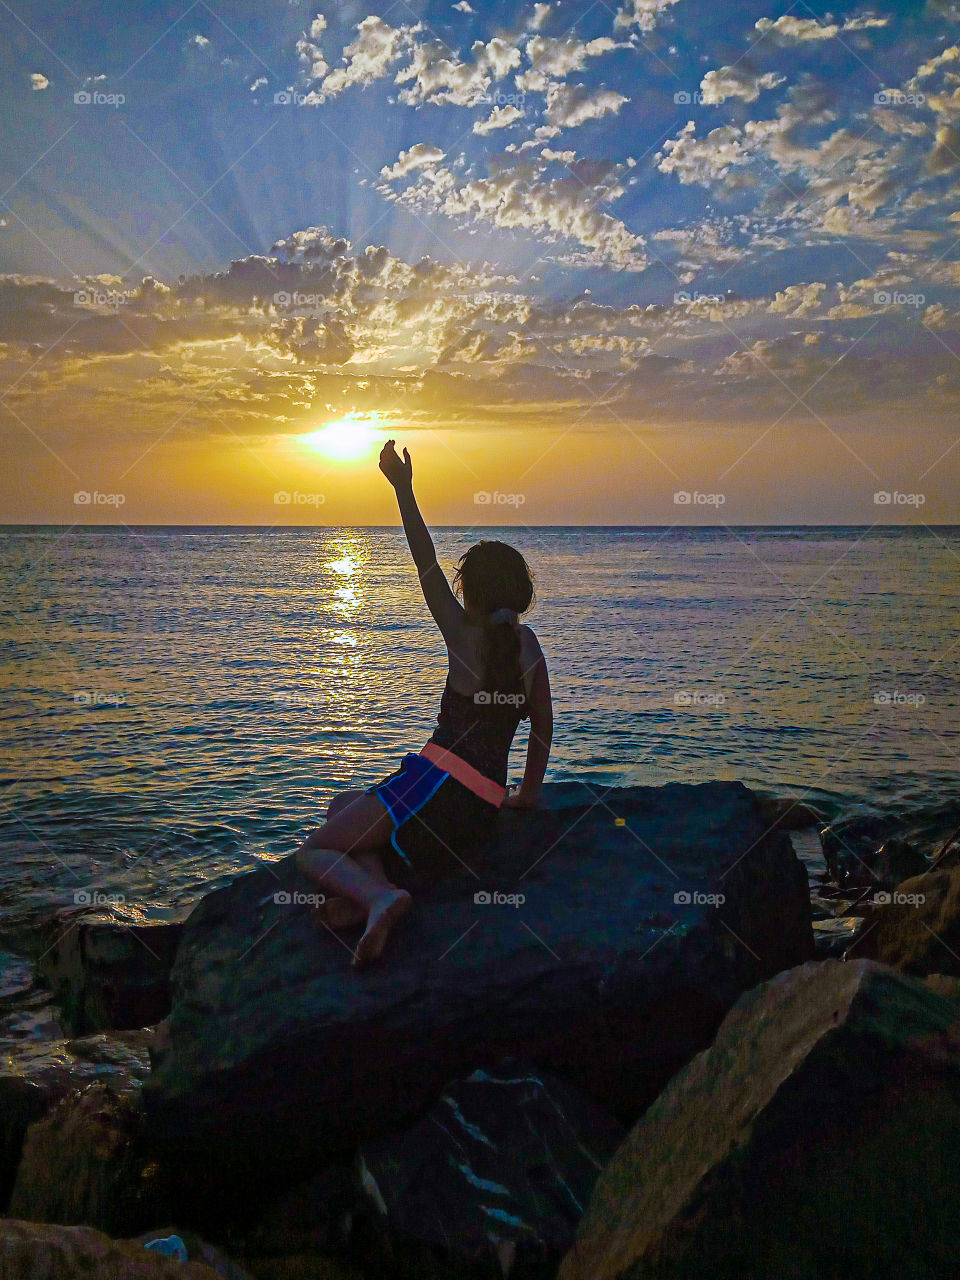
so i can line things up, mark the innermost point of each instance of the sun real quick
(345, 439)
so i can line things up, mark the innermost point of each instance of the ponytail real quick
(502, 669)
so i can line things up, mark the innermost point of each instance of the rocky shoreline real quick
(635, 1040)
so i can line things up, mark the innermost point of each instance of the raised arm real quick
(444, 606)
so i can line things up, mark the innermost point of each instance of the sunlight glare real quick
(345, 439)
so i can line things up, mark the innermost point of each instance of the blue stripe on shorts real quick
(404, 795)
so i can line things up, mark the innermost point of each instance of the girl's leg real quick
(343, 913)
(360, 827)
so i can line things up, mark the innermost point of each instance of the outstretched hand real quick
(399, 471)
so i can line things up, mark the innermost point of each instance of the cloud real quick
(420, 154)
(642, 13)
(926, 69)
(499, 118)
(38, 81)
(788, 29)
(370, 54)
(439, 78)
(539, 16)
(571, 105)
(736, 82)
(519, 196)
(798, 300)
(703, 160)
(463, 6)
(552, 58)
(309, 50)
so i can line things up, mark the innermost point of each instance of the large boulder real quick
(34, 1076)
(33, 1251)
(917, 926)
(818, 1136)
(108, 973)
(604, 939)
(86, 1164)
(491, 1182)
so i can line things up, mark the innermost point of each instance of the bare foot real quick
(338, 913)
(384, 914)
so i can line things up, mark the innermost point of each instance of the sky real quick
(639, 262)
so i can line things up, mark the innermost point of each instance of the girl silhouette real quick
(439, 808)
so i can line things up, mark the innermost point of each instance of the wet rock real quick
(492, 1182)
(86, 1164)
(107, 973)
(918, 929)
(818, 1136)
(866, 852)
(280, 1054)
(34, 1076)
(38, 1251)
(789, 813)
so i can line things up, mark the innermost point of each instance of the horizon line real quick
(53, 524)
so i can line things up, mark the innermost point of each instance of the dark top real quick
(479, 728)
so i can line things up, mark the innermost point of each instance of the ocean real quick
(180, 703)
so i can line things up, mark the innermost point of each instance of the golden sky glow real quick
(662, 264)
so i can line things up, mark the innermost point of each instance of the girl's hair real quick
(491, 576)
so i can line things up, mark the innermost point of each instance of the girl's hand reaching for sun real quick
(399, 471)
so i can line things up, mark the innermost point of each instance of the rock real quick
(789, 813)
(86, 1164)
(818, 1136)
(646, 912)
(314, 1218)
(492, 1182)
(198, 1251)
(918, 930)
(35, 1076)
(33, 1251)
(943, 986)
(948, 854)
(109, 974)
(305, 1267)
(866, 852)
